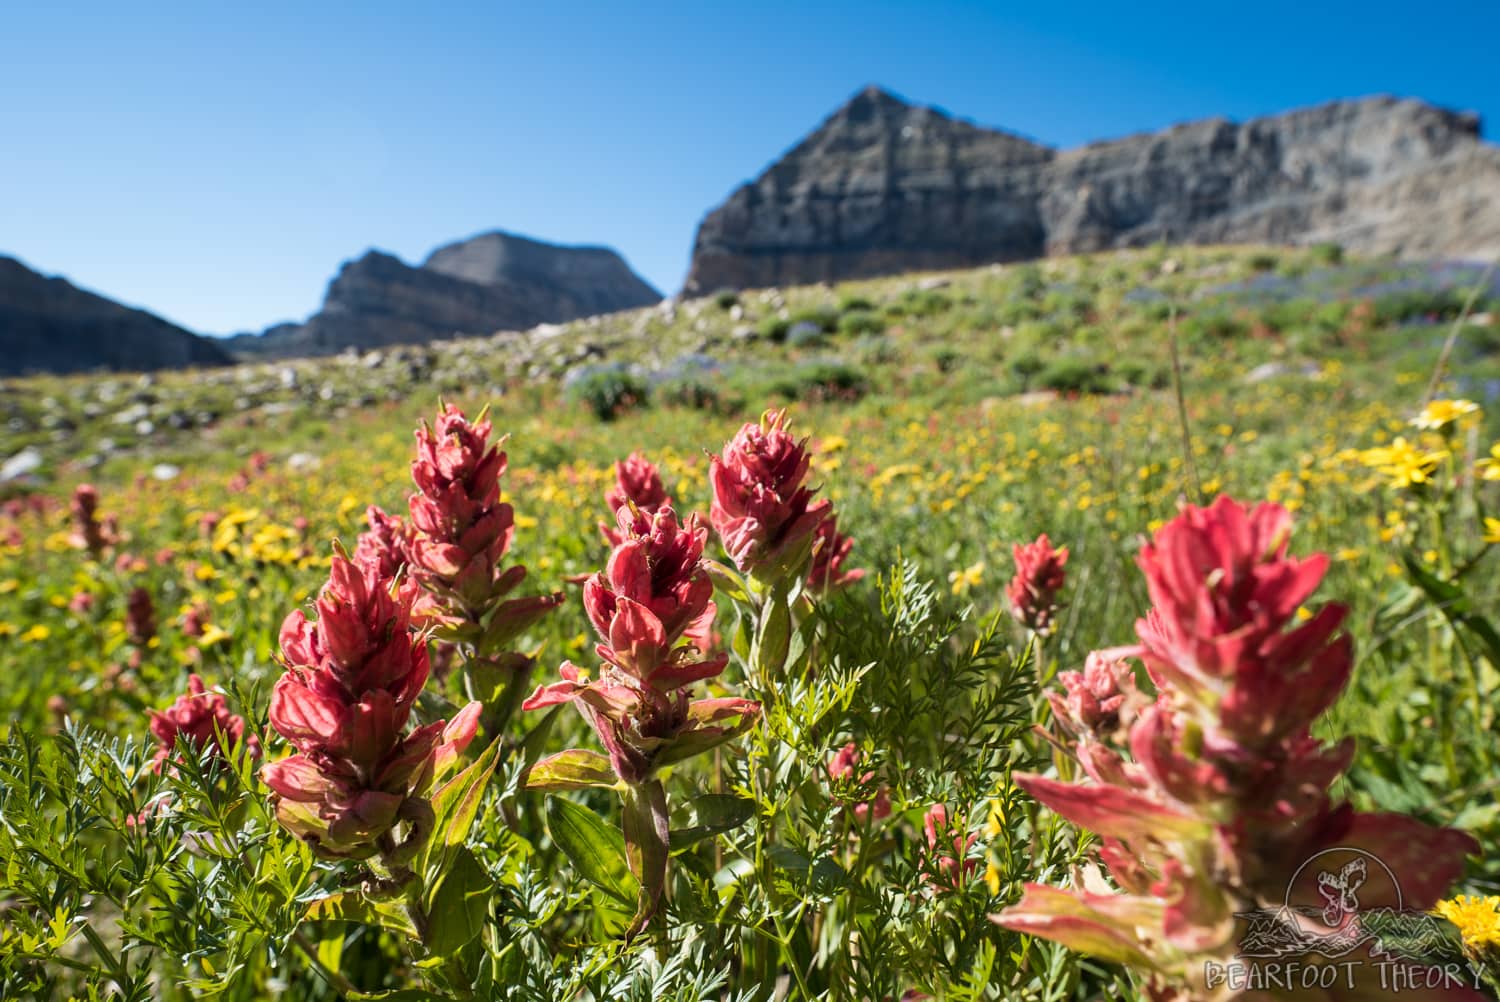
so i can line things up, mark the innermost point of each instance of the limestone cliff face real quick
(881, 186)
(884, 186)
(581, 281)
(492, 282)
(50, 325)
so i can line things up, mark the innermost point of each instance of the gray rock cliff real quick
(51, 325)
(884, 186)
(491, 282)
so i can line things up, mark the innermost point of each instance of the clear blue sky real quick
(215, 163)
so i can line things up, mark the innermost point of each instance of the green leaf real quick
(331, 951)
(712, 814)
(734, 873)
(575, 769)
(773, 635)
(458, 633)
(1454, 604)
(513, 618)
(536, 739)
(727, 581)
(789, 859)
(458, 906)
(596, 850)
(351, 906)
(454, 807)
(798, 646)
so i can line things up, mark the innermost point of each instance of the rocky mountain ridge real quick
(494, 281)
(50, 325)
(884, 186)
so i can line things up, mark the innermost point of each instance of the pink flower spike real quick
(1039, 579)
(762, 509)
(638, 484)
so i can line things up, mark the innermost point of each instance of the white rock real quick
(22, 464)
(303, 462)
(132, 414)
(166, 471)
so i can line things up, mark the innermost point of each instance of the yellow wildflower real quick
(1489, 467)
(1404, 463)
(969, 577)
(992, 878)
(995, 824)
(1477, 919)
(1441, 413)
(1492, 530)
(213, 634)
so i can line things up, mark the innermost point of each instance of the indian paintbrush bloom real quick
(384, 544)
(842, 770)
(830, 549)
(1102, 698)
(948, 849)
(460, 531)
(762, 508)
(352, 677)
(637, 482)
(1218, 794)
(140, 617)
(88, 532)
(653, 589)
(1040, 576)
(461, 527)
(199, 720)
(195, 619)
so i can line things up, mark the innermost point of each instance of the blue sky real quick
(215, 163)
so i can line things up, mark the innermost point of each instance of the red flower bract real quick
(652, 590)
(948, 849)
(140, 617)
(1224, 593)
(1224, 792)
(88, 533)
(198, 720)
(352, 677)
(830, 549)
(762, 509)
(384, 544)
(461, 527)
(842, 769)
(637, 482)
(1039, 579)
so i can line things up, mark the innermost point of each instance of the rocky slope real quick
(50, 325)
(495, 281)
(883, 186)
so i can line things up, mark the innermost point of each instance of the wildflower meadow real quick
(1098, 631)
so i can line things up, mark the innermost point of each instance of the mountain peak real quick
(884, 186)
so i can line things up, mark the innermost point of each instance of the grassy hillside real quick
(950, 416)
